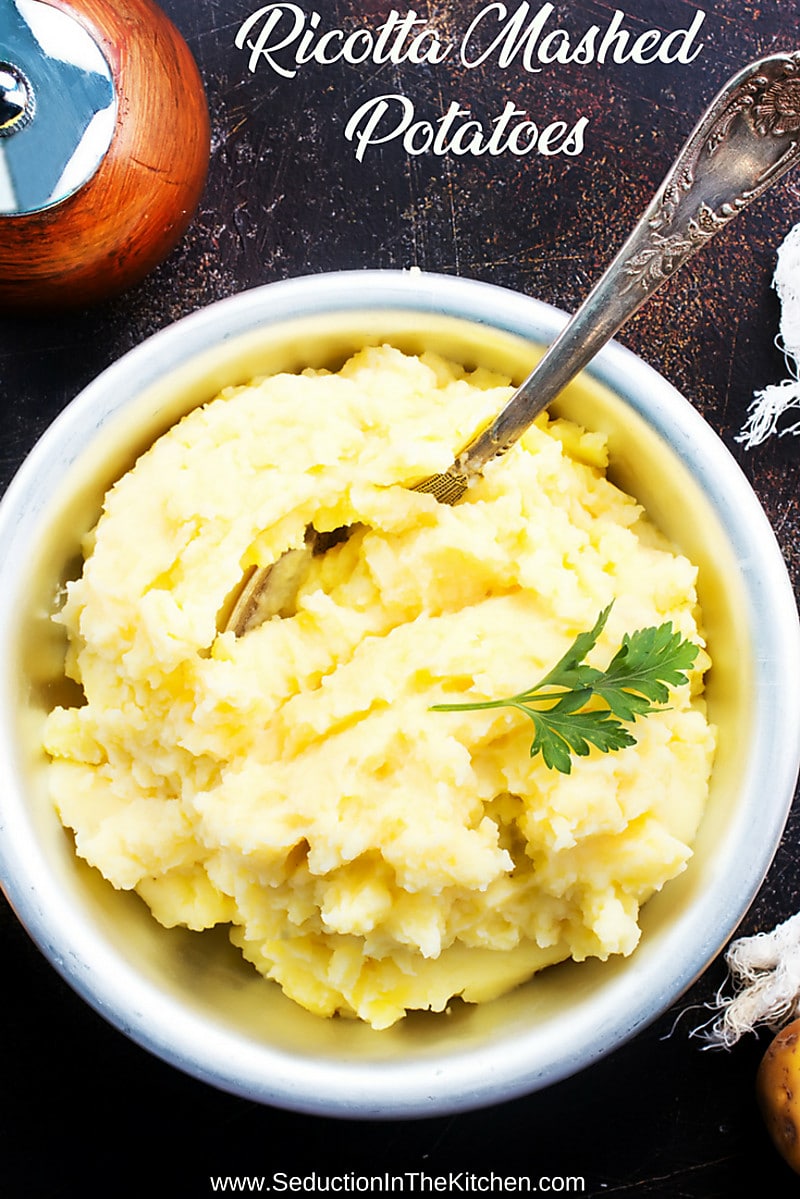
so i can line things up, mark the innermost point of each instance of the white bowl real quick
(189, 997)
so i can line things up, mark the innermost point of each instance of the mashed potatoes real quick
(370, 855)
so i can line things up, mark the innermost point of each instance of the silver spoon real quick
(747, 139)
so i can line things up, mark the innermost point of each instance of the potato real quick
(778, 1091)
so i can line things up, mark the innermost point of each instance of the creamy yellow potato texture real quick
(370, 855)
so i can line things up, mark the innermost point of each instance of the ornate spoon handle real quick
(748, 137)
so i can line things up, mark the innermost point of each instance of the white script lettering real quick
(393, 117)
(511, 40)
(283, 37)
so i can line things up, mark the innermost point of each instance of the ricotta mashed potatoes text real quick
(370, 856)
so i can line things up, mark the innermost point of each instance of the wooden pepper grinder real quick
(104, 148)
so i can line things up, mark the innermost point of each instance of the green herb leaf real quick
(645, 664)
(559, 734)
(635, 683)
(571, 671)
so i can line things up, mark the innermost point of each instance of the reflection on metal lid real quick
(57, 106)
(17, 100)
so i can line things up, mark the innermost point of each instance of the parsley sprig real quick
(635, 683)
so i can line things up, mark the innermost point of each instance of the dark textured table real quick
(84, 1111)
